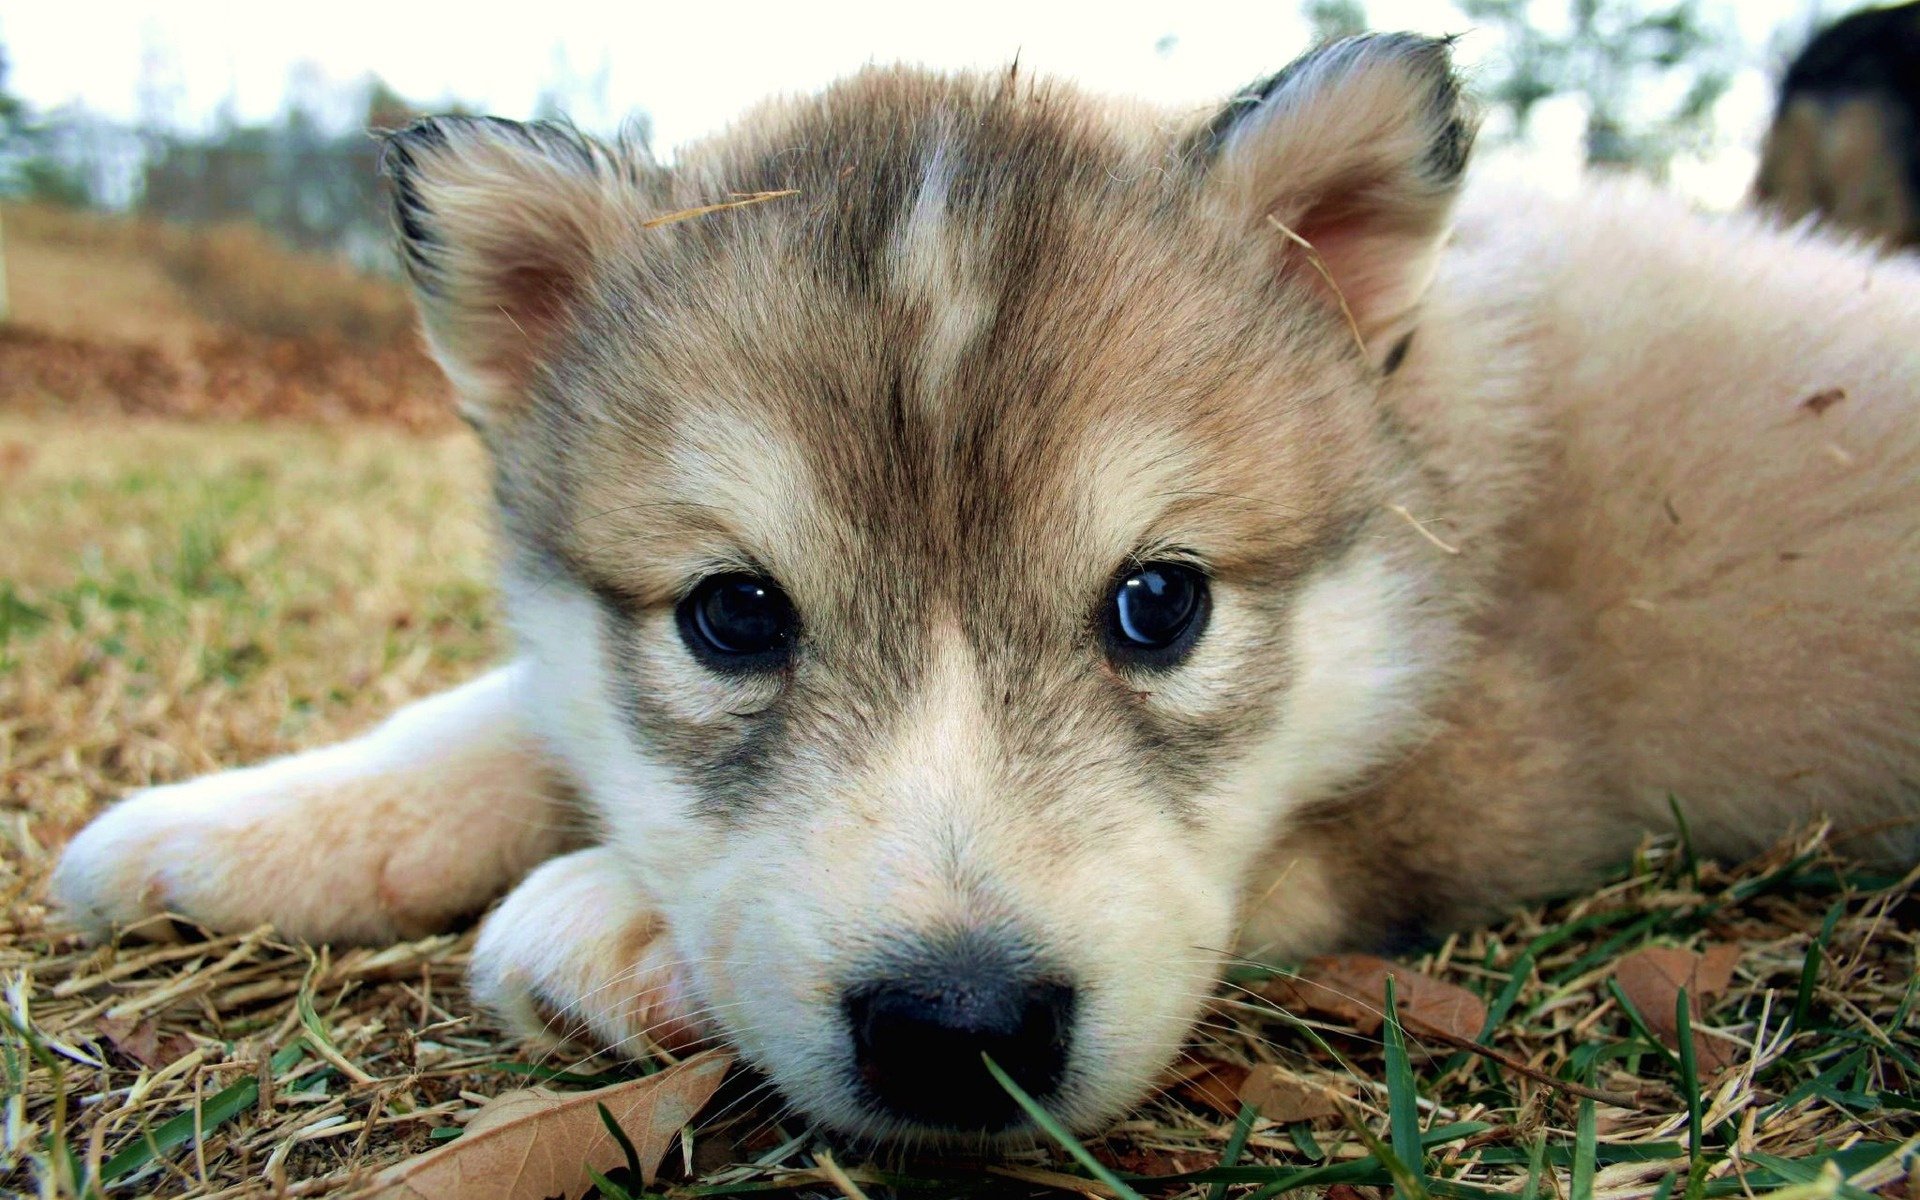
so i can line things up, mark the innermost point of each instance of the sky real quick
(692, 65)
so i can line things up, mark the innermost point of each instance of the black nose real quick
(920, 1031)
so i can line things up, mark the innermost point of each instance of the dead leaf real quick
(1652, 978)
(1211, 1084)
(141, 1041)
(532, 1144)
(1352, 988)
(1279, 1096)
(1136, 1161)
(1824, 399)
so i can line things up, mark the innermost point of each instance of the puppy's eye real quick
(1156, 613)
(738, 622)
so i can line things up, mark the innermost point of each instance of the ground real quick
(229, 530)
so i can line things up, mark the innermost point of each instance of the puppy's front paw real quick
(157, 851)
(322, 853)
(574, 952)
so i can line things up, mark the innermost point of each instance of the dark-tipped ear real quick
(499, 224)
(1357, 148)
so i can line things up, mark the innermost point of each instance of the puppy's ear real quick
(1358, 148)
(499, 224)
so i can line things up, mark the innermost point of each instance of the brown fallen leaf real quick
(1210, 1083)
(1279, 1096)
(1352, 988)
(1652, 978)
(1136, 1161)
(1824, 399)
(532, 1144)
(141, 1041)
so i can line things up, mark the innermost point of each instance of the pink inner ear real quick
(534, 297)
(1340, 241)
(1370, 265)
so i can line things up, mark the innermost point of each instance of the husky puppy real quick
(1013, 549)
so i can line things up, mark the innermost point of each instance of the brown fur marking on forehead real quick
(1100, 307)
(861, 150)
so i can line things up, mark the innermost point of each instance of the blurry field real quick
(180, 593)
(136, 317)
(181, 597)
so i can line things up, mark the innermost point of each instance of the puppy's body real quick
(1499, 539)
(1699, 500)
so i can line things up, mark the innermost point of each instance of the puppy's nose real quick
(919, 1033)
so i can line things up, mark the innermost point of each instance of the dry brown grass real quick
(233, 275)
(116, 315)
(240, 276)
(177, 597)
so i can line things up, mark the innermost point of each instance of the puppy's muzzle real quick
(924, 1021)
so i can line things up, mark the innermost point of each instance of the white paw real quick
(157, 851)
(320, 849)
(574, 951)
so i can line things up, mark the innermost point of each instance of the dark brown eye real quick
(738, 622)
(1156, 613)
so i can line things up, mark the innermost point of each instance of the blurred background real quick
(169, 170)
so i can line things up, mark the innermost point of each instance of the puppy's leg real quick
(576, 951)
(396, 833)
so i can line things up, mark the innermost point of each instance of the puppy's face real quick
(947, 571)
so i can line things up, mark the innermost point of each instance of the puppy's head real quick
(950, 554)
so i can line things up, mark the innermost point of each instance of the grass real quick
(181, 597)
(234, 276)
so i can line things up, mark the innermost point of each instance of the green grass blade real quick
(1320, 1176)
(1640, 1025)
(1536, 1167)
(608, 1189)
(1058, 1132)
(225, 1104)
(1236, 1146)
(1496, 1013)
(1300, 1133)
(1810, 968)
(1407, 1180)
(1690, 1085)
(1403, 1099)
(1585, 1153)
(1509, 995)
(625, 1143)
(1689, 862)
(1821, 1084)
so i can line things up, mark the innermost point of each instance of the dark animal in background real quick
(1845, 140)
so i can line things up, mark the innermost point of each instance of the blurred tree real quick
(310, 175)
(1647, 75)
(37, 153)
(1334, 19)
